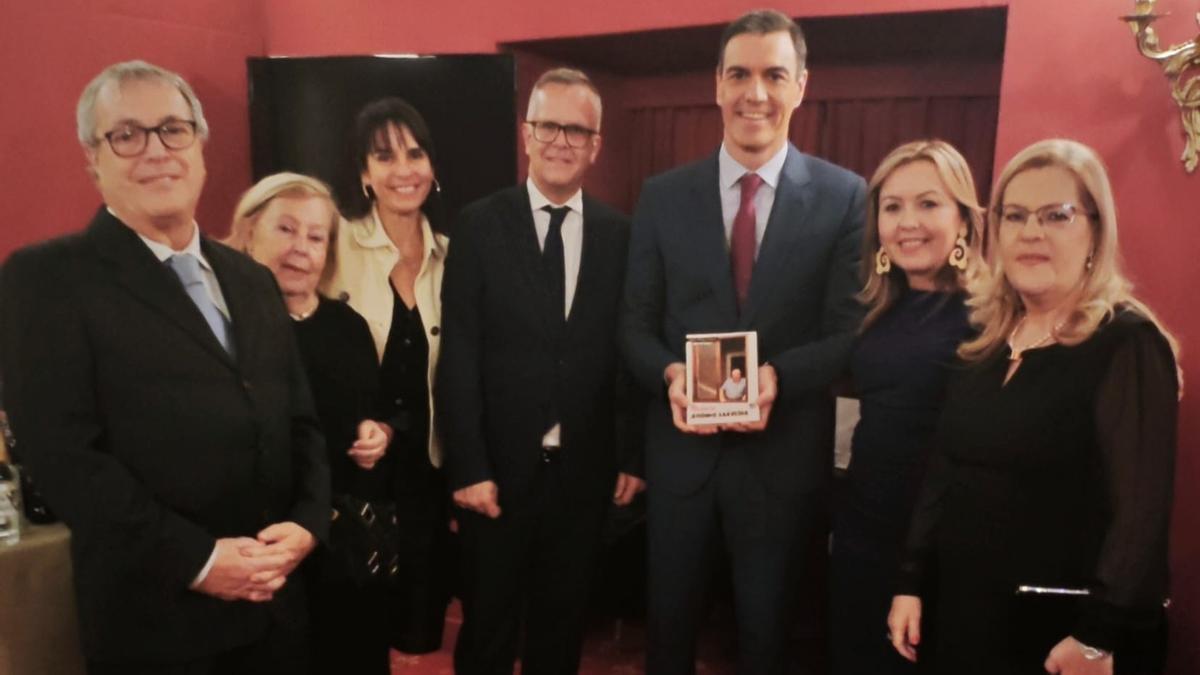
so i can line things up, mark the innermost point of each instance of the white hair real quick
(119, 73)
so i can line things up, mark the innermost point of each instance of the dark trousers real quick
(284, 650)
(533, 562)
(417, 610)
(350, 628)
(764, 535)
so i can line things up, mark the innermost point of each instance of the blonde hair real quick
(255, 201)
(996, 307)
(882, 291)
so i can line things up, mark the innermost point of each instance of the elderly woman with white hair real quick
(1040, 537)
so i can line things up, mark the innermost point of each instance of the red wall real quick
(1070, 69)
(49, 52)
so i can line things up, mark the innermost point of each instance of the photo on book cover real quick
(722, 378)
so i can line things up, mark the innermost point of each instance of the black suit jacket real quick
(501, 367)
(801, 302)
(149, 440)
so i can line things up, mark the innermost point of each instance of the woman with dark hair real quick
(920, 247)
(389, 270)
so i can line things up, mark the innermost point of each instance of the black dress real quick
(899, 371)
(417, 613)
(1060, 478)
(350, 625)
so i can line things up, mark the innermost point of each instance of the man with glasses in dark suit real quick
(528, 388)
(152, 377)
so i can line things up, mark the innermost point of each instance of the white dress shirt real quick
(164, 252)
(572, 239)
(572, 235)
(731, 172)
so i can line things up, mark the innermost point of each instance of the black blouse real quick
(339, 359)
(1062, 477)
(403, 378)
(899, 368)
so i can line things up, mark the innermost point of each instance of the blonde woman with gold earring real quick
(922, 223)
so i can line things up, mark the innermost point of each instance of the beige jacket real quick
(365, 258)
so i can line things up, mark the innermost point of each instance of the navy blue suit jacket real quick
(801, 302)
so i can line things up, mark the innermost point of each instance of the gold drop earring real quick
(883, 264)
(958, 254)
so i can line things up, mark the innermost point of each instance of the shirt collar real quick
(731, 170)
(377, 237)
(537, 200)
(164, 252)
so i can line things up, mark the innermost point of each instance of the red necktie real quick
(742, 241)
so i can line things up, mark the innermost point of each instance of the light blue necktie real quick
(187, 268)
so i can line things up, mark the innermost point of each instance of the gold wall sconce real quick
(1181, 65)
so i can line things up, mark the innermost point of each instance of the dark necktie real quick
(553, 267)
(187, 268)
(742, 241)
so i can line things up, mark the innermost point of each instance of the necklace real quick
(304, 315)
(1016, 354)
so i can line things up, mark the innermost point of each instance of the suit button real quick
(434, 330)
(399, 401)
(407, 342)
(562, 363)
(247, 386)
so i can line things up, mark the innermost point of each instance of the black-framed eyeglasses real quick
(546, 132)
(129, 140)
(1050, 216)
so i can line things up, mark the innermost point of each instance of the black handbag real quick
(1041, 614)
(364, 541)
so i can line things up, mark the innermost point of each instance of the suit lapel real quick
(232, 282)
(709, 231)
(142, 275)
(521, 239)
(785, 228)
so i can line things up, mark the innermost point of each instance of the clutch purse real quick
(365, 540)
(1142, 650)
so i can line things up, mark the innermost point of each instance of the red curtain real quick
(854, 133)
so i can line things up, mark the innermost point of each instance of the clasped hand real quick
(371, 444)
(254, 569)
(676, 376)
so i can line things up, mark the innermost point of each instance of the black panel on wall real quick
(302, 109)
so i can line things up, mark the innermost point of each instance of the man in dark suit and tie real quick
(757, 237)
(153, 381)
(527, 384)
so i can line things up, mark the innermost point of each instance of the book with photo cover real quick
(722, 378)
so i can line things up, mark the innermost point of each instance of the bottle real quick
(10, 504)
(36, 510)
